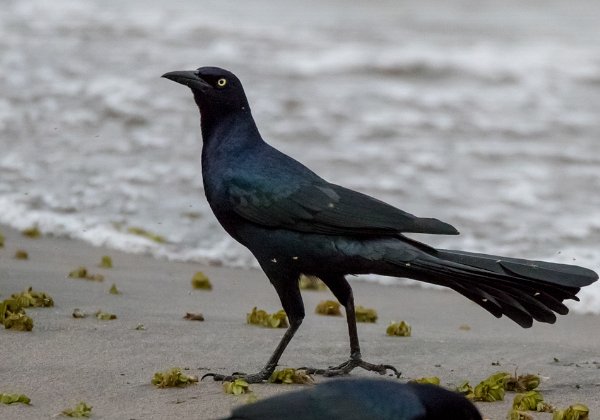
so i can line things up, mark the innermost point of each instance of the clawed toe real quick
(348, 366)
(216, 377)
(251, 379)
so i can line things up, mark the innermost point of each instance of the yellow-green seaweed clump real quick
(573, 412)
(291, 376)
(492, 388)
(106, 262)
(365, 314)
(105, 316)
(173, 378)
(33, 298)
(32, 232)
(399, 329)
(264, 319)
(522, 383)
(80, 410)
(531, 401)
(14, 398)
(113, 290)
(201, 281)
(236, 387)
(13, 317)
(465, 389)
(328, 307)
(1, 240)
(83, 273)
(18, 322)
(21, 254)
(432, 380)
(311, 283)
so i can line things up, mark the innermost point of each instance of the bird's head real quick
(216, 91)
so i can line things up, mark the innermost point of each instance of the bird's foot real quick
(254, 378)
(351, 364)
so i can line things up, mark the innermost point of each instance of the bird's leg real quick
(343, 292)
(266, 371)
(289, 293)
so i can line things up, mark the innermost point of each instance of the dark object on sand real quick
(295, 222)
(362, 399)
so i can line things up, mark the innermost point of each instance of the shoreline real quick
(109, 364)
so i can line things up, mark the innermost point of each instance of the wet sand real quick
(109, 364)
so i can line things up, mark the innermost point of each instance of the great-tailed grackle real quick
(362, 399)
(295, 222)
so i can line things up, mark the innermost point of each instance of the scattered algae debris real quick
(291, 376)
(106, 262)
(80, 410)
(492, 388)
(328, 307)
(13, 317)
(83, 273)
(105, 316)
(194, 316)
(236, 387)
(399, 329)
(32, 232)
(21, 254)
(201, 281)
(522, 383)
(173, 378)
(531, 401)
(1, 240)
(147, 234)
(311, 283)
(33, 298)
(365, 314)
(78, 313)
(432, 380)
(12, 313)
(264, 319)
(466, 389)
(14, 398)
(113, 290)
(573, 412)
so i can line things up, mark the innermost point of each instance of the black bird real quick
(295, 222)
(362, 399)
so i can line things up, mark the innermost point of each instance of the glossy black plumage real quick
(295, 222)
(362, 399)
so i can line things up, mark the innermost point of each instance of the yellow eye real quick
(221, 82)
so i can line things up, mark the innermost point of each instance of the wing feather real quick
(321, 207)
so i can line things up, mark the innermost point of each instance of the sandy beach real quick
(109, 364)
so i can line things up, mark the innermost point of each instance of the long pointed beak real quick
(188, 78)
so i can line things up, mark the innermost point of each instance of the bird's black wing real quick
(316, 206)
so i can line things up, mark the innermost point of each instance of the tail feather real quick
(522, 290)
(477, 288)
(559, 274)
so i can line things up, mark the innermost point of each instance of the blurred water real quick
(483, 114)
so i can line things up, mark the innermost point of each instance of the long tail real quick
(523, 290)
